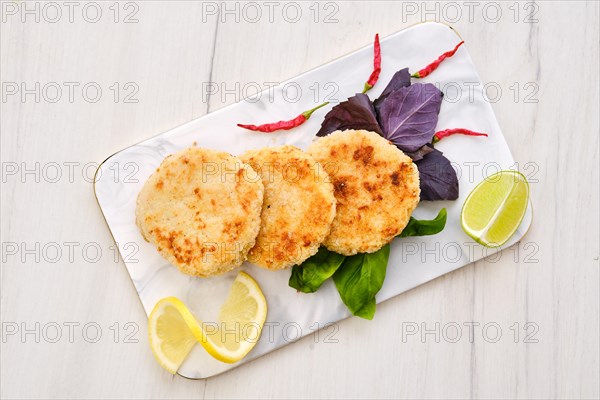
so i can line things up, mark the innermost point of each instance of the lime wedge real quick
(495, 208)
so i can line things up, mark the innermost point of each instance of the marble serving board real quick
(413, 261)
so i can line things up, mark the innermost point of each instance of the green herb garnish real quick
(425, 227)
(310, 275)
(357, 278)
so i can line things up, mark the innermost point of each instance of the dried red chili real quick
(449, 132)
(433, 66)
(376, 65)
(300, 119)
(283, 125)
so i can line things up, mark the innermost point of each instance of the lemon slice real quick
(495, 208)
(240, 321)
(173, 330)
(171, 338)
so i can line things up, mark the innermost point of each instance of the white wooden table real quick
(72, 326)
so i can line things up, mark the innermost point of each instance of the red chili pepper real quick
(376, 65)
(284, 125)
(433, 66)
(449, 132)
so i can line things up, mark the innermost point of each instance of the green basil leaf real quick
(424, 227)
(310, 275)
(368, 310)
(360, 278)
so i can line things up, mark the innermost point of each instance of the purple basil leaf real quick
(355, 113)
(438, 178)
(409, 115)
(399, 80)
(420, 153)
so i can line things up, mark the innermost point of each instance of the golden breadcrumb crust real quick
(298, 207)
(376, 187)
(201, 211)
